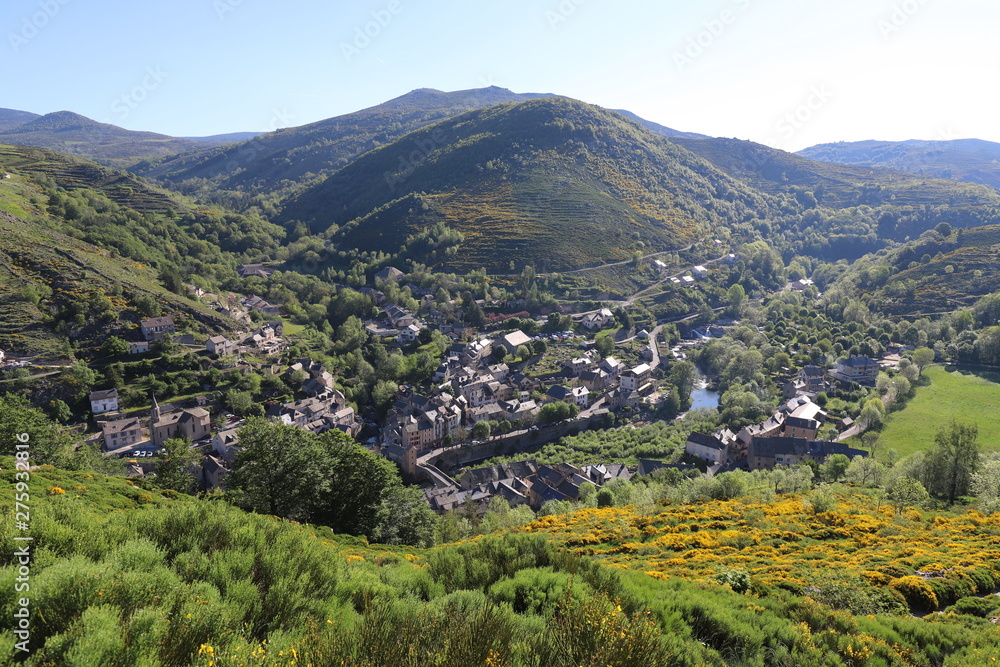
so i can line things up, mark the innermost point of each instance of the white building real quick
(104, 401)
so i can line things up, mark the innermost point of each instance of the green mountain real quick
(970, 160)
(289, 156)
(72, 133)
(930, 275)
(832, 182)
(10, 118)
(86, 252)
(553, 181)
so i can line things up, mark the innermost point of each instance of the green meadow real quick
(951, 394)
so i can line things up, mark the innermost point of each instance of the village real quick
(485, 398)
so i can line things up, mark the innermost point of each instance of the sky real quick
(787, 74)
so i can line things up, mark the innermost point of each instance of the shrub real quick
(973, 606)
(917, 592)
(738, 580)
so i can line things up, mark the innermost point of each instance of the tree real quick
(404, 517)
(165, 346)
(474, 315)
(988, 346)
(871, 442)
(923, 357)
(297, 378)
(604, 345)
(944, 229)
(60, 411)
(350, 335)
(425, 336)
(146, 306)
(872, 414)
(672, 403)
(326, 479)
(835, 467)
(48, 442)
(953, 460)
(384, 393)
(904, 491)
(79, 379)
(986, 485)
(865, 471)
(557, 411)
(683, 375)
(240, 402)
(481, 430)
(736, 296)
(174, 469)
(114, 346)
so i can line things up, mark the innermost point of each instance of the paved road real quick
(629, 261)
(633, 297)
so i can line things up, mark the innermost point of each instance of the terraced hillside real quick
(554, 182)
(73, 173)
(76, 266)
(287, 157)
(48, 278)
(932, 275)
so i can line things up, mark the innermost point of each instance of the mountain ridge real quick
(72, 133)
(971, 160)
(537, 168)
(273, 162)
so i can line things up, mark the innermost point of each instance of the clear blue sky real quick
(790, 74)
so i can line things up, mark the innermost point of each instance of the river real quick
(703, 397)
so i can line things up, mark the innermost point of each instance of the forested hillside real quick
(553, 181)
(291, 156)
(88, 251)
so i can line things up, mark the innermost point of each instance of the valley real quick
(499, 378)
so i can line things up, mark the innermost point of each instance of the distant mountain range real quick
(560, 183)
(12, 118)
(292, 155)
(256, 161)
(72, 133)
(971, 160)
(486, 177)
(108, 144)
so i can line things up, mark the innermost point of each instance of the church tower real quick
(155, 415)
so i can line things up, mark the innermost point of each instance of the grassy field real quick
(950, 394)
